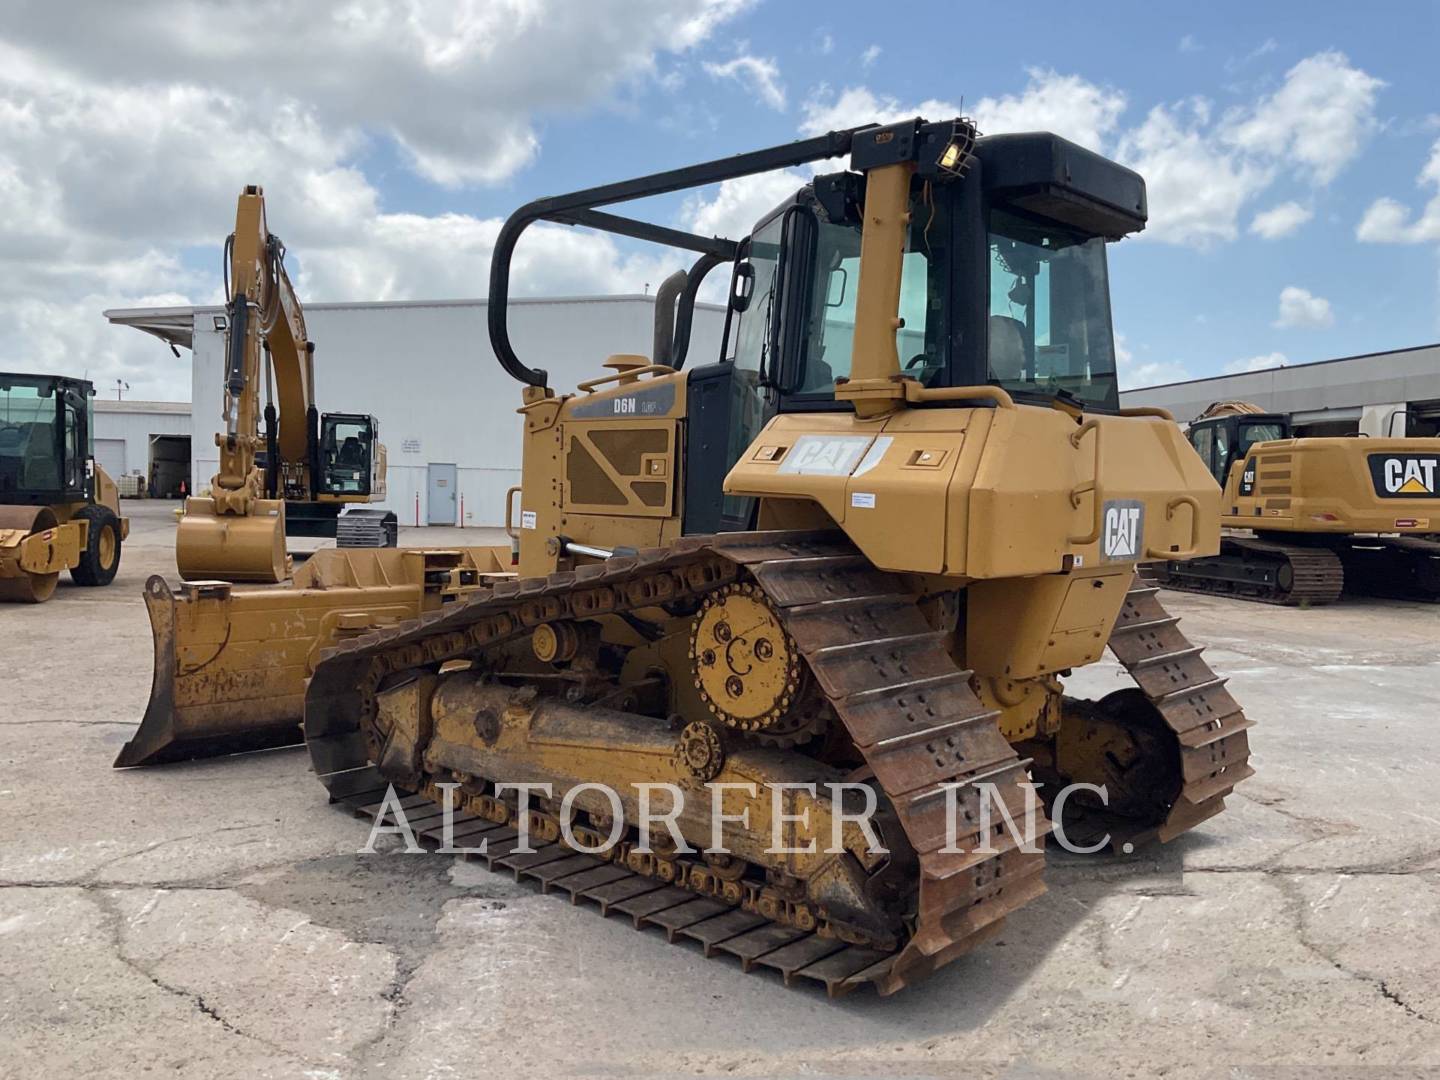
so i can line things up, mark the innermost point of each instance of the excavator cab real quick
(347, 455)
(1225, 441)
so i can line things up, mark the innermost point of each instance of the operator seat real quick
(41, 471)
(1007, 349)
(352, 454)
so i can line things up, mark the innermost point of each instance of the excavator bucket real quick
(231, 663)
(235, 547)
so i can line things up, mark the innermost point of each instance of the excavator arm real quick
(237, 532)
(266, 326)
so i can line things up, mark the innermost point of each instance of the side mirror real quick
(742, 287)
(835, 297)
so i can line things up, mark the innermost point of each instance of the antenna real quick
(120, 387)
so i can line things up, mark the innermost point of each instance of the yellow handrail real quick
(629, 373)
(916, 393)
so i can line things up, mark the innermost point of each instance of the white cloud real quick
(1300, 309)
(869, 56)
(1202, 171)
(1256, 363)
(827, 44)
(761, 75)
(856, 105)
(1190, 44)
(1280, 220)
(1318, 119)
(1388, 221)
(734, 206)
(1195, 191)
(1133, 373)
(126, 134)
(459, 86)
(1065, 104)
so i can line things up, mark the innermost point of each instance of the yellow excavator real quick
(304, 476)
(59, 510)
(1308, 518)
(863, 547)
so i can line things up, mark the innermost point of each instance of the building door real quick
(110, 456)
(441, 494)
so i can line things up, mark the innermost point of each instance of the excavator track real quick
(907, 706)
(1251, 568)
(1399, 567)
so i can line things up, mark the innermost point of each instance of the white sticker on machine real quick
(873, 455)
(864, 500)
(527, 519)
(825, 455)
(1122, 531)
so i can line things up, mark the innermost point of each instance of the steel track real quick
(907, 706)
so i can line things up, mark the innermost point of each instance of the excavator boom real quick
(312, 463)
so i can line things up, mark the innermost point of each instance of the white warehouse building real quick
(424, 369)
(144, 439)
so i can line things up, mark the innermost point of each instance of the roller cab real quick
(58, 509)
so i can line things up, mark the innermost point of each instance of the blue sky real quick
(1292, 150)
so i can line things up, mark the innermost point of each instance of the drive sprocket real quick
(746, 666)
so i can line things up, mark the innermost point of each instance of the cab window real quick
(1049, 310)
(828, 354)
(1252, 433)
(72, 454)
(831, 331)
(345, 455)
(1203, 439)
(1222, 453)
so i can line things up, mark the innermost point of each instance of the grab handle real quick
(1092, 486)
(1170, 508)
(629, 373)
(510, 494)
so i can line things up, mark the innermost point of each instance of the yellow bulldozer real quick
(59, 510)
(306, 473)
(1308, 518)
(817, 595)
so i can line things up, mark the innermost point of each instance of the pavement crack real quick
(1297, 904)
(1275, 804)
(113, 921)
(1390, 995)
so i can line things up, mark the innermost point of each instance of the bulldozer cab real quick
(1225, 441)
(45, 434)
(1003, 283)
(998, 269)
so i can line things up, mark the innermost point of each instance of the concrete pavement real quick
(214, 920)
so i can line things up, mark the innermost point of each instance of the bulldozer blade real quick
(176, 725)
(231, 664)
